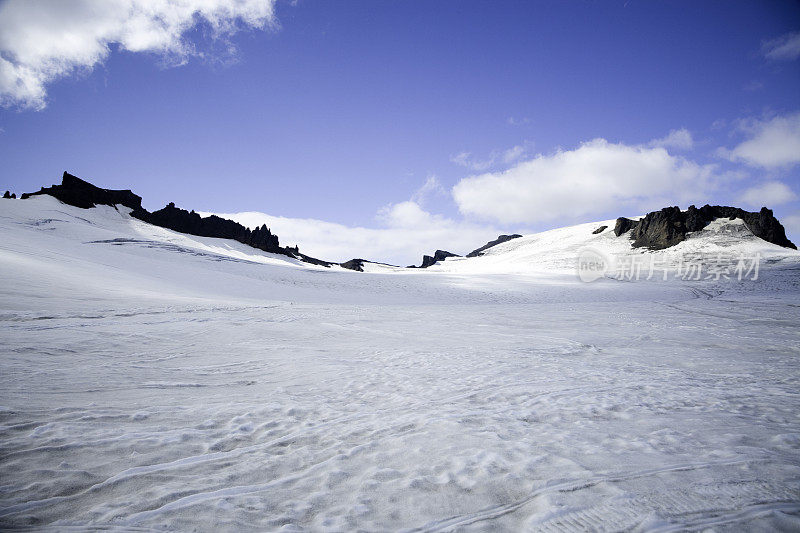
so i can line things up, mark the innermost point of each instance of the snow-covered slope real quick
(557, 250)
(153, 380)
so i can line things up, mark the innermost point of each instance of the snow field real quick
(154, 380)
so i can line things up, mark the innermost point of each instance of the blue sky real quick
(413, 124)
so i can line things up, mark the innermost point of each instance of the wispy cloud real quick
(518, 121)
(680, 139)
(753, 86)
(784, 48)
(431, 187)
(43, 40)
(496, 157)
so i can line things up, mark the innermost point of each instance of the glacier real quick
(151, 380)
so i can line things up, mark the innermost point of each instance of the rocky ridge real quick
(499, 240)
(438, 255)
(80, 193)
(657, 230)
(669, 226)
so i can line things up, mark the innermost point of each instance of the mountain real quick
(430, 260)
(695, 231)
(158, 380)
(499, 240)
(558, 250)
(668, 227)
(80, 193)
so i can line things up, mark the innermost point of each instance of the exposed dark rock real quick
(697, 219)
(764, 224)
(669, 226)
(75, 191)
(601, 229)
(13, 196)
(623, 225)
(184, 221)
(7, 194)
(439, 255)
(79, 193)
(354, 264)
(498, 240)
(358, 264)
(427, 261)
(660, 229)
(313, 260)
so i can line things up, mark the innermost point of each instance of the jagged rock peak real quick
(669, 226)
(354, 264)
(79, 193)
(623, 225)
(184, 221)
(499, 240)
(439, 255)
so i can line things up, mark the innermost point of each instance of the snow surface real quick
(153, 380)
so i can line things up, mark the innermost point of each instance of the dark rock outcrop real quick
(669, 226)
(80, 193)
(499, 240)
(313, 260)
(184, 221)
(623, 225)
(358, 264)
(354, 264)
(7, 195)
(439, 255)
(659, 229)
(601, 229)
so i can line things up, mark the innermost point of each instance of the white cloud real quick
(595, 178)
(409, 215)
(45, 40)
(768, 194)
(406, 232)
(681, 139)
(497, 157)
(461, 159)
(772, 143)
(784, 48)
(792, 225)
(431, 187)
